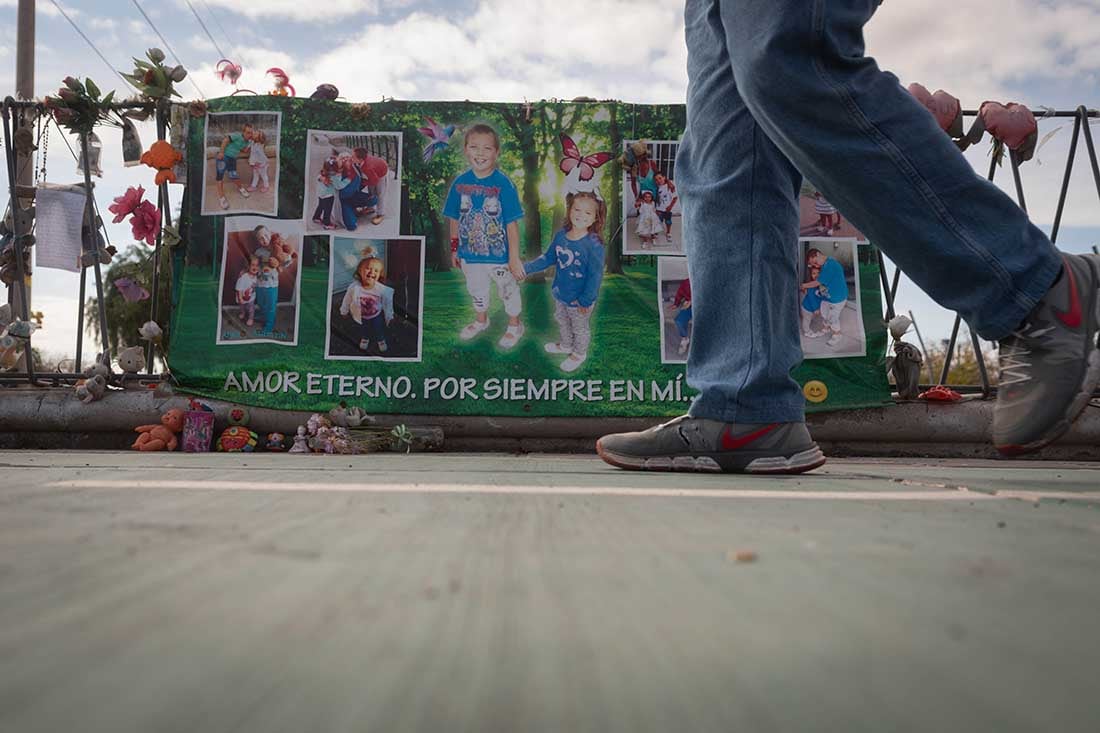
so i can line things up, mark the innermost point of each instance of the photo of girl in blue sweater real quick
(577, 251)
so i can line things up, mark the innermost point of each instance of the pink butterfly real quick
(438, 137)
(228, 71)
(588, 163)
(131, 291)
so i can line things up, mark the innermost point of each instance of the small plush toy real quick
(237, 438)
(91, 389)
(276, 443)
(162, 436)
(163, 157)
(281, 252)
(100, 367)
(131, 360)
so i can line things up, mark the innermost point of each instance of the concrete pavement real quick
(171, 592)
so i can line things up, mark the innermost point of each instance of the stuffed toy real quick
(131, 360)
(237, 438)
(276, 442)
(162, 436)
(325, 93)
(163, 157)
(91, 389)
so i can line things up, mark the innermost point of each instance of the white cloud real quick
(298, 10)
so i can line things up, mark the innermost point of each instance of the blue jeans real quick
(683, 318)
(266, 300)
(351, 198)
(778, 89)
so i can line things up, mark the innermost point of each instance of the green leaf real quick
(109, 98)
(93, 90)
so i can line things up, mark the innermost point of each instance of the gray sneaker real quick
(1050, 365)
(697, 444)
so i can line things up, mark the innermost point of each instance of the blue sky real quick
(1038, 53)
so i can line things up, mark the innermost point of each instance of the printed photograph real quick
(376, 299)
(819, 218)
(260, 281)
(353, 184)
(241, 163)
(651, 207)
(828, 296)
(674, 304)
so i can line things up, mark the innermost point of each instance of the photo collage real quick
(352, 193)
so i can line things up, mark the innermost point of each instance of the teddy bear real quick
(162, 436)
(281, 252)
(163, 157)
(91, 389)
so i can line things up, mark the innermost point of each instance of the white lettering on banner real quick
(448, 389)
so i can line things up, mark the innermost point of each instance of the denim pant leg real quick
(683, 318)
(878, 156)
(740, 223)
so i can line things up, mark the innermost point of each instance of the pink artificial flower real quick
(125, 204)
(146, 222)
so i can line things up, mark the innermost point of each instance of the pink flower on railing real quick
(146, 222)
(125, 204)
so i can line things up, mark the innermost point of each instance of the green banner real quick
(470, 258)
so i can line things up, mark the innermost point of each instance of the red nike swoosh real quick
(1071, 317)
(731, 443)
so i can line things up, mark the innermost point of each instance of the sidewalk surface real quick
(458, 592)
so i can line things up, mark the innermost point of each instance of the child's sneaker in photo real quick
(698, 444)
(511, 336)
(1050, 365)
(223, 202)
(833, 340)
(244, 192)
(573, 362)
(553, 347)
(684, 343)
(473, 329)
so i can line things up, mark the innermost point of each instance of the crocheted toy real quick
(276, 443)
(237, 438)
(163, 157)
(162, 436)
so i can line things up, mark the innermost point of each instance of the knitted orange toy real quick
(163, 157)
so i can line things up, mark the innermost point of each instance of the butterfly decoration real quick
(228, 71)
(131, 291)
(438, 137)
(573, 159)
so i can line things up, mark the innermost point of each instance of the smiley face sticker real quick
(815, 391)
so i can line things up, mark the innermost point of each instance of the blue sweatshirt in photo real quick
(580, 268)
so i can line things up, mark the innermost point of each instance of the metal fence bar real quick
(1065, 178)
(93, 229)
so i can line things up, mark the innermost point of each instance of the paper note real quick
(59, 213)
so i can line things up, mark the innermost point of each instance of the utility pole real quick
(24, 89)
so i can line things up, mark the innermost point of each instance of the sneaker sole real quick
(800, 462)
(1076, 407)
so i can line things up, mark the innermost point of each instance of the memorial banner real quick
(471, 258)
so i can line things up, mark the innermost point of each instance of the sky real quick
(1037, 52)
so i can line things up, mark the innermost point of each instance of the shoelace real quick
(1014, 368)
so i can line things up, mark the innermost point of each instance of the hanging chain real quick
(43, 152)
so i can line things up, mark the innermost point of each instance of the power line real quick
(89, 42)
(232, 45)
(205, 29)
(163, 40)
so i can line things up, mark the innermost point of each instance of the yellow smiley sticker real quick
(815, 391)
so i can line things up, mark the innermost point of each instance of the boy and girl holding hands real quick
(483, 209)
